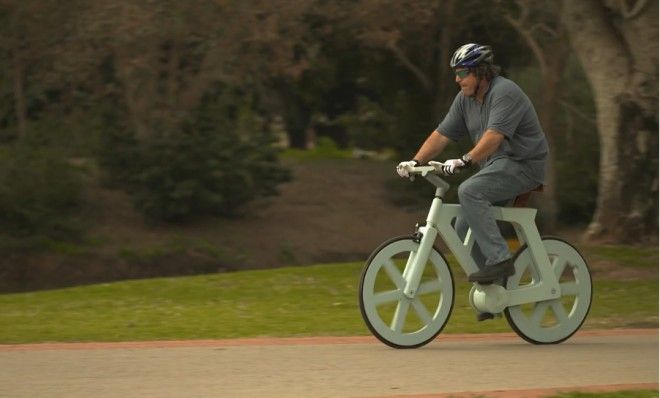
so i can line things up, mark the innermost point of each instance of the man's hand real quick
(450, 167)
(403, 169)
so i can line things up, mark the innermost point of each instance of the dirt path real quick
(492, 365)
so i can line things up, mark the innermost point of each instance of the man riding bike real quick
(510, 150)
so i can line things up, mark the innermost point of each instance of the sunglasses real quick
(462, 73)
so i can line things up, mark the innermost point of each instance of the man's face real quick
(467, 81)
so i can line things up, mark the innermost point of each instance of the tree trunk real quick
(551, 80)
(442, 94)
(627, 115)
(19, 93)
(550, 51)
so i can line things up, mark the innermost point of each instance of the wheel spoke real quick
(387, 297)
(559, 265)
(394, 274)
(400, 315)
(429, 287)
(559, 310)
(539, 311)
(569, 288)
(421, 310)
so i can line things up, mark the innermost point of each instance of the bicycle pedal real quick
(484, 316)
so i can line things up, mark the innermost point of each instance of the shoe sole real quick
(489, 281)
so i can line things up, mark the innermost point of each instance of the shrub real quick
(118, 157)
(40, 192)
(211, 161)
(197, 173)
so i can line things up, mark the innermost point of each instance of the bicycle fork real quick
(412, 274)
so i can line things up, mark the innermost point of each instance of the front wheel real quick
(551, 321)
(395, 319)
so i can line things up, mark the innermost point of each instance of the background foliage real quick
(180, 103)
(40, 194)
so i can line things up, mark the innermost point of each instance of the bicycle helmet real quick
(471, 55)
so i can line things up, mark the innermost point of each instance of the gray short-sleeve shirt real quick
(507, 110)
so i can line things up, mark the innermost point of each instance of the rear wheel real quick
(551, 321)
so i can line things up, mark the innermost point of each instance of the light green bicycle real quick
(406, 291)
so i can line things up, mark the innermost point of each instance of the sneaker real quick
(491, 273)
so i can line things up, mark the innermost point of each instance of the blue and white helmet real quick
(471, 55)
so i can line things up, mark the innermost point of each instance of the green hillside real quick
(292, 301)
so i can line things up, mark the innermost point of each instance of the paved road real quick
(326, 367)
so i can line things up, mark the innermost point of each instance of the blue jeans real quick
(495, 184)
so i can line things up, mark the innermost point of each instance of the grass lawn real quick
(296, 301)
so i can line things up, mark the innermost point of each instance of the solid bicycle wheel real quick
(551, 321)
(392, 317)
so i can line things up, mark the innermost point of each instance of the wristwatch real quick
(467, 159)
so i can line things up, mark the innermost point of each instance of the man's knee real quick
(467, 191)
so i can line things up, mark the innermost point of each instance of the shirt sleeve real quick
(453, 125)
(505, 114)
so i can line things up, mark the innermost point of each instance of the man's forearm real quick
(487, 145)
(434, 144)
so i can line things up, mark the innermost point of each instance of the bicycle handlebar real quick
(432, 175)
(423, 170)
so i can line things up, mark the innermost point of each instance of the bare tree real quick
(167, 55)
(539, 25)
(419, 35)
(29, 34)
(617, 45)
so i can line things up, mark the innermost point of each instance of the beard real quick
(469, 91)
